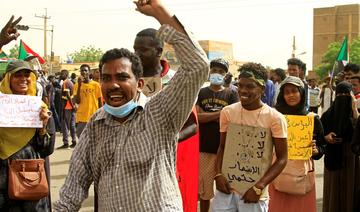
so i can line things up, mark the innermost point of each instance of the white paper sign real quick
(20, 111)
(247, 155)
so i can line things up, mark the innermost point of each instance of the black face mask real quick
(342, 113)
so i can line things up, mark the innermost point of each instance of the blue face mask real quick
(216, 79)
(123, 110)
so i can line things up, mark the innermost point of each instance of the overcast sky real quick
(260, 30)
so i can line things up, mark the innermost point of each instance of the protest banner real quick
(152, 85)
(20, 111)
(300, 134)
(247, 155)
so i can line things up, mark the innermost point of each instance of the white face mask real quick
(216, 79)
(123, 110)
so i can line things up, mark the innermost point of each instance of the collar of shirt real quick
(142, 100)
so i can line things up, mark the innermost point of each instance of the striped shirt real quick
(132, 164)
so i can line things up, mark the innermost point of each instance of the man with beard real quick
(128, 148)
(149, 48)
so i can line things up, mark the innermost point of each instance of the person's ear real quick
(140, 84)
(159, 51)
(263, 90)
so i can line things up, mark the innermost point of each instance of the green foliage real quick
(87, 54)
(14, 52)
(329, 57)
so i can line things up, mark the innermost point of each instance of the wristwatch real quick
(258, 191)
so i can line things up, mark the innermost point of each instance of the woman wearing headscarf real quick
(21, 143)
(291, 101)
(341, 172)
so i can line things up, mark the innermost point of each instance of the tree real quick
(14, 52)
(330, 55)
(87, 54)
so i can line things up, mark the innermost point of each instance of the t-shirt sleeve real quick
(224, 120)
(70, 86)
(278, 126)
(199, 98)
(75, 88)
(234, 97)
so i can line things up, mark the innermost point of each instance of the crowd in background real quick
(86, 107)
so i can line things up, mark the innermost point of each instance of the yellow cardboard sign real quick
(247, 155)
(300, 134)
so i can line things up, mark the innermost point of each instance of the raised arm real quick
(173, 104)
(156, 9)
(9, 32)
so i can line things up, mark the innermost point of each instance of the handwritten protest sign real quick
(300, 133)
(152, 85)
(20, 111)
(247, 155)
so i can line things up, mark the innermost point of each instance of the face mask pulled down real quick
(122, 111)
(216, 79)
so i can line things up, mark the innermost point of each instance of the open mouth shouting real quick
(116, 99)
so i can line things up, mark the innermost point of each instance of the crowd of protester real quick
(144, 152)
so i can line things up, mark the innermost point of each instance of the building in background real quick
(213, 49)
(332, 24)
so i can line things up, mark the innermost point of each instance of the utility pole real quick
(45, 17)
(26, 28)
(293, 48)
(51, 49)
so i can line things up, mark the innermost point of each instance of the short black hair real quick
(303, 67)
(73, 76)
(116, 53)
(51, 77)
(280, 72)
(256, 68)
(85, 65)
(65, 71)
(352, 67)
(152, 33)
(295, 61)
